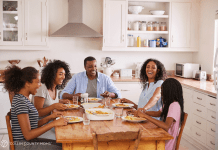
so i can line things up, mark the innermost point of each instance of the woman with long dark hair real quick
(172, 111)
(152, 75)
(26, 126)
(54, 77)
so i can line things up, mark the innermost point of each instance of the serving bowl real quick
(157, 12)
(135, 9)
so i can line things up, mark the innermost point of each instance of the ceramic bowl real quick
(135, 9)
(157, 12)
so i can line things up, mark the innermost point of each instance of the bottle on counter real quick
(138, 41)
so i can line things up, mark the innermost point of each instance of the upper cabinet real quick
(114, 24)
(23, 25)
(181, 25)
(176, 29)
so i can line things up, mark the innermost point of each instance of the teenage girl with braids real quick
(152, 75)
(172, 111)
(26, 126)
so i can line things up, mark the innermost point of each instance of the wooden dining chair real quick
(130, 135)
(8, 122)
(181, 130)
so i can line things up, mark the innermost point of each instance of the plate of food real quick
(72, 106)
(93, 99)
(98, 112)
(133, 119)
(124, 105)
(72, 119)
(92, 105)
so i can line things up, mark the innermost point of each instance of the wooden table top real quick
(77, 132)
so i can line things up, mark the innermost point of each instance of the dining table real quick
(77, 136)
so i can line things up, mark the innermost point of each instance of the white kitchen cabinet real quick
(4, 107)
(129, 90)
(181, 25)
(31, 29)
(114, 24)
(11, 29)
(200, 126)
(35, 22)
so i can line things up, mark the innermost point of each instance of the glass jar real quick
(163, 26)
(129, 25)
(144, 26)
(156, 26)
(136, 26)
(149, 26)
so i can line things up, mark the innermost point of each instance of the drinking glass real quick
(86, 120)
(118, 112)
(75, 100)
(107, 102)
(84, 97)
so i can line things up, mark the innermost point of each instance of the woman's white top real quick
(43, 92)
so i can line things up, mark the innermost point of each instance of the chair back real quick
(130, 135)
(181, 130)
(8, 122)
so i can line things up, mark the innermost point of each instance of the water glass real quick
(75, 100)
(107, 101)
(84, 97)
(118, 112)
(86, 120)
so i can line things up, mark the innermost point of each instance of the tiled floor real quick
(184, 145)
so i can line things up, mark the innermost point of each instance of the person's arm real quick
(113, 89)
(48, 118)
(70, 96)
(29, 134)
(124, 100)
(67, 92)
(39, 102)
(164, 125)
(153, 113)
(153, 100)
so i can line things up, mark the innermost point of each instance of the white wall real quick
(206, 33)
(74, 50)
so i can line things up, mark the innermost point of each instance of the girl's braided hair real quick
(171, 91)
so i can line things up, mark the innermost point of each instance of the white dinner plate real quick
(124, 119)
(90, 105)
(75, 106)
(94, 99)
(127, 105)
(80, 119)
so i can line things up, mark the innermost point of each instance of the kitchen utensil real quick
(157, 12)
(135, 9)
(108, 71)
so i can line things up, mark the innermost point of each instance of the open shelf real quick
(10, 29)
(10, 12)
(142, 32)
(147, 16)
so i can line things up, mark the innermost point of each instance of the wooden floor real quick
(184, 145)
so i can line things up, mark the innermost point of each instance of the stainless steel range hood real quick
(76, 26)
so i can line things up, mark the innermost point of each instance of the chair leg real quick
(137, 141)
(95, 141)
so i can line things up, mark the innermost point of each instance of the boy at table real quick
(94, 83)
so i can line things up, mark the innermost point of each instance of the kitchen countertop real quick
(206, 87)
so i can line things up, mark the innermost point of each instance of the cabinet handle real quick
(198, 122)
(199, 98)
(199, 110)
(213, 117)
(124, 90)
(198, 134)
(213, 130)
(212, 143)
(212, 104)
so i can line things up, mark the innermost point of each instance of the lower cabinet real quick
(4, 108)
(201, 109)
(129, 90)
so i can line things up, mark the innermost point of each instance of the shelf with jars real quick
(150, 26)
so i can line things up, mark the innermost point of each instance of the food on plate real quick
(93, 99)
(98, 112)
(100, 106)
(133, 118)
(72, 106)
(73, 119)
(122, 105)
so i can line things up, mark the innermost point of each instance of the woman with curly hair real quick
(152, 75)
(172, 111)
(54, 76)
(26, 126)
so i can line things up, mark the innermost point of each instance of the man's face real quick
(91, 68)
